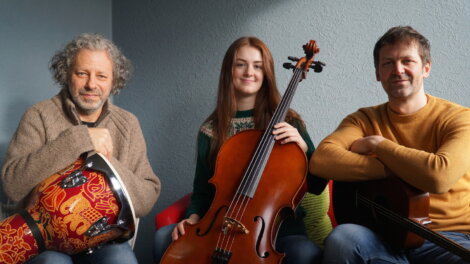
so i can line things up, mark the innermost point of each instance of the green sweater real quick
(203, 191)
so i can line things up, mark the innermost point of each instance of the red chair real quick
(331, 213)
(175, 212)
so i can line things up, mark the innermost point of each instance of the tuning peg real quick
(293, 58)
(317, 66)
(288, 65)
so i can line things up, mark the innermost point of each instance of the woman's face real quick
(247, 73)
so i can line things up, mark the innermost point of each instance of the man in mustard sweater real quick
(424, 140)
(81, 119)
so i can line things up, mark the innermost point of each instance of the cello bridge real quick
(230, 223)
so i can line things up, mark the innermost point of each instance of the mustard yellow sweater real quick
(429, 149)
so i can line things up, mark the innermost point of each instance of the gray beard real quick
(85, 108)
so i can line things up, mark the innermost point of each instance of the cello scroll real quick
(307, 62)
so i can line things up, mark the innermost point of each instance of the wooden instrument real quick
(74, 210)
(392, 208)
(257, 181)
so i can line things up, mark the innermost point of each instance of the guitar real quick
(394, 209)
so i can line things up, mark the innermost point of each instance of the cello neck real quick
(263, 150)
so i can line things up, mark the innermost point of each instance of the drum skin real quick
(62, 216)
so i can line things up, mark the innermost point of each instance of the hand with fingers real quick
(366, 145)
(102, 141)
(285, 133)
(179, 228)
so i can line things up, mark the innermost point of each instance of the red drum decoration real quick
(76, 209)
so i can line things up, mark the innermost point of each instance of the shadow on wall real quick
(177, 50)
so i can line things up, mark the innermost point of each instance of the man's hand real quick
(101, 141)
(366, 145)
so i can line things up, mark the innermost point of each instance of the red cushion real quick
(173, 213)
(330, 212)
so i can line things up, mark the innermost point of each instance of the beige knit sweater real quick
(50, 137)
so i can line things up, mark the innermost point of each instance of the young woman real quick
(247, 98)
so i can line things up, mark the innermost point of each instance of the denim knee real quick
(299, 249)
(162, 240)
(353, 243)
(113, 253)
(51, 257)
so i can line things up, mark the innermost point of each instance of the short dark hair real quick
(62, 62)
(404, 33)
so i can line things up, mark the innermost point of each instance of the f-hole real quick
(260, 237)
(198, 230)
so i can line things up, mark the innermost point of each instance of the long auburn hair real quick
(266, 100)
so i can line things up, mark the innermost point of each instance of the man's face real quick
(400, 70)
(91, 81)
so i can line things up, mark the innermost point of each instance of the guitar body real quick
(391, 193)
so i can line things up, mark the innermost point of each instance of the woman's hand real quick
(286, 133)
(179, 228)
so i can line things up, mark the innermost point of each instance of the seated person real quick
(423, 139)
(81, 118)
(247, 98)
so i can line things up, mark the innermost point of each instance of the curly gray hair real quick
(62, 62)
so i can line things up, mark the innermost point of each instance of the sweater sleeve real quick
(137, 175)
(333, 159)
(203, 191)
(31, 158)
(438, 170)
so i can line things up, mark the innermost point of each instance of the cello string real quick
(268, 138)
(415, 227)
(278, 116)
(266, 142)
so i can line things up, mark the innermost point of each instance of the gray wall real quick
(30, 33)
(177, 49)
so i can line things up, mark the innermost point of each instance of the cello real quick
(253, 194)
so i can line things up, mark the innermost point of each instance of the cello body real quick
(282, 192)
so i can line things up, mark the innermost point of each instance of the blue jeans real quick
(430, 253)
(298, 248)
(162, 241)
(113, 253)
(350, 243)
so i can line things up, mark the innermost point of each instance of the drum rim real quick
(102, 164)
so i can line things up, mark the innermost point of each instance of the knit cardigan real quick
(50, 137)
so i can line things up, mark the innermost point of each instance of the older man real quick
(54, 133)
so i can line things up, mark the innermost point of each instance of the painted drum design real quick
(77, 209)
